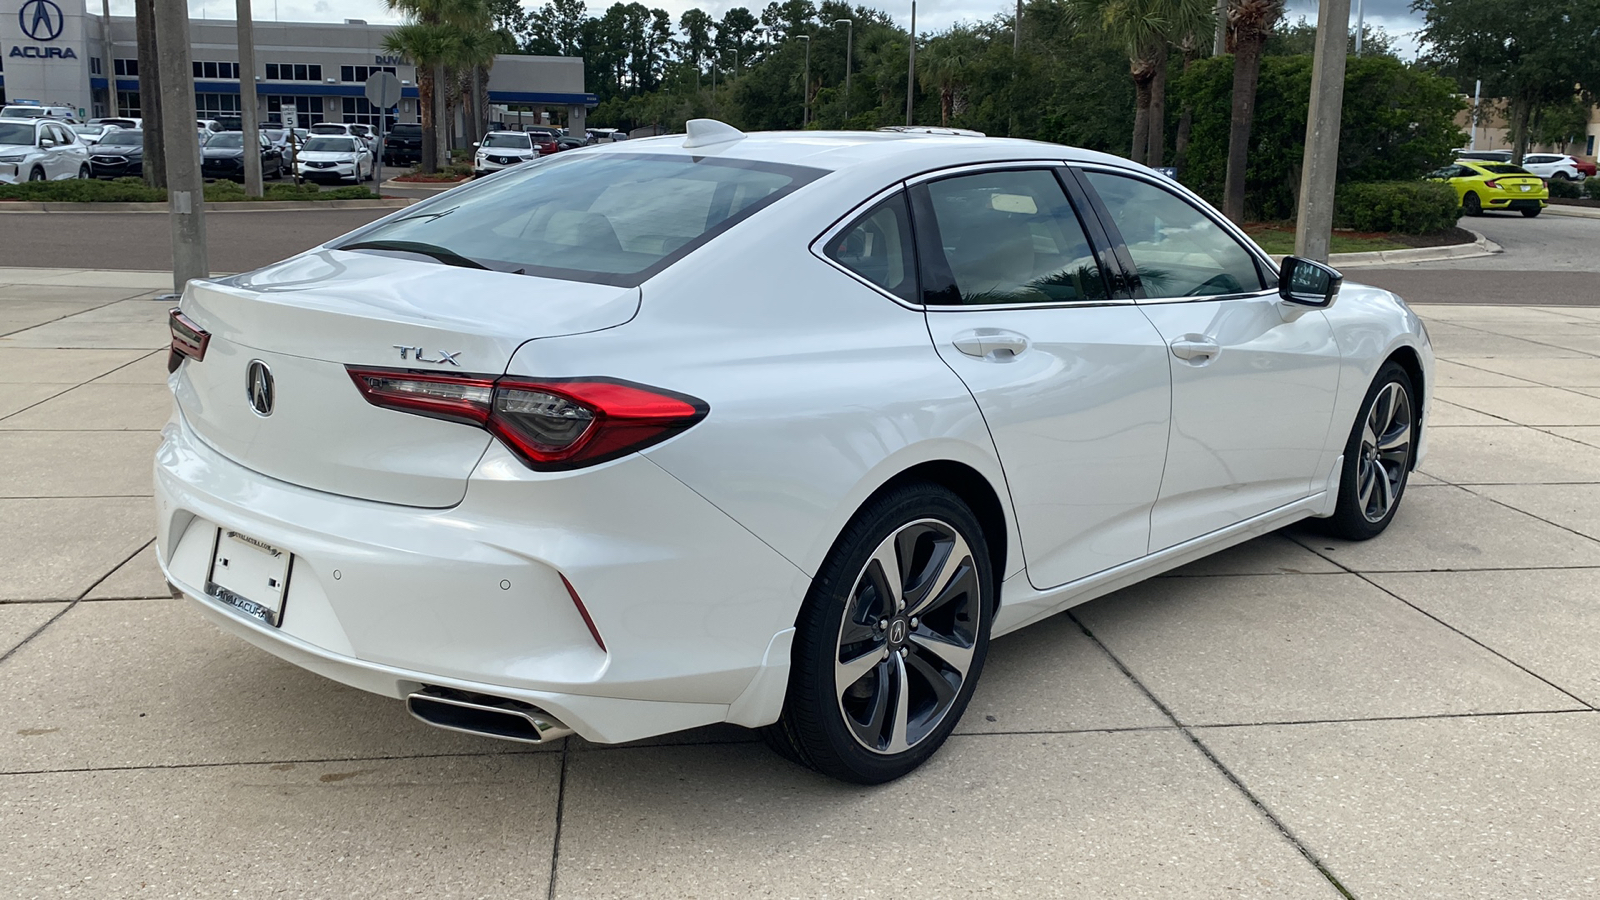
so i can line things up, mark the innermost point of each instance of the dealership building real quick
(51, 52)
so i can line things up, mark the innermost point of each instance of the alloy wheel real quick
(908, 636)
(1385, 451)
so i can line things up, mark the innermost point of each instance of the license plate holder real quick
(249, 575)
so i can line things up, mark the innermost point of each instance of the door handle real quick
(1195, 348)
(994, 344)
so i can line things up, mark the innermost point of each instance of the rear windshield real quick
(604, 218)
(1504, 169)
(404, 130)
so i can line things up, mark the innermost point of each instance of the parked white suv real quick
(1552, 165)
(40, 150)
(502, 149)
(33, 111)
(355, 130)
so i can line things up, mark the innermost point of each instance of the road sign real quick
(383, 90)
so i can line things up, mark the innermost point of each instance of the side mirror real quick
(476, 144)
(47, 142)
(1306, 282)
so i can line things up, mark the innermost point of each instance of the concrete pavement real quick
(1412, 717)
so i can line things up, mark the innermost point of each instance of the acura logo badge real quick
(258, 387)
(897, 631)
(41, 20)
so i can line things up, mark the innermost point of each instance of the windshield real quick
(226, 141)
(329, 145)
(123, 139)
(519, 141)
(88, 129)
(16, 133)
(326, 129)
(1503, 169)
(22, 112)
(608, 219)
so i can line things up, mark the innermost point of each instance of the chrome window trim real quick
(1172, 187)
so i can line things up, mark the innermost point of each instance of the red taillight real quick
(188, 340)
(551, 425)
(1492, 183)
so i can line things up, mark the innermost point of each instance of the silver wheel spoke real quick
(848, 673)
(935, 590)
(1399, 439)
(1364, 482)
(888, 564)
(902, 705)
(1387, 487)
(950, 653)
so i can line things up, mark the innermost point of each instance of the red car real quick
(1585, 166)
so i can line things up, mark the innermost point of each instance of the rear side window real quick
(604, 218)
(877, 247)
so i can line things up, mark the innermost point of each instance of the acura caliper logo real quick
(258, 387)
(41, 20)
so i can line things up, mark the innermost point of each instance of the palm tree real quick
(1250, 22)
(475, 52)
(431, 38)
(944, 67)
(1147, 28)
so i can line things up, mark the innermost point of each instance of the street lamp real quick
(805, 86)
(849, 48)
(761, 36)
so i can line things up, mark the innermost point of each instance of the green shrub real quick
(1591, 188)
(219, 191)
(350, 192)
(288, 190)
(79, 191)
(1565, 190)
(1407, 207)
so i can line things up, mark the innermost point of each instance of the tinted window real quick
(606, 218)
(330, 145)
(123, 139)
(1178, 250)
(1504, 169)
(16, 133)
(877, 247)
(228, 141)
(1013, 237)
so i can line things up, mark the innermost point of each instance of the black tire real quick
(1471, 205)
(1356, 518)
(36, 175)
(83, 171)
(1531, 213)
(1561, 176)
(847, 613)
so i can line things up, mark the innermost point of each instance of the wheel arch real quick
(1407, 358)
(974, 490)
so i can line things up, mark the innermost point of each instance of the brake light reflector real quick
(188, 340)
(550, 424)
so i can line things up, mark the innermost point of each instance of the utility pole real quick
(249, 116)
(1219, 43)
(911, 67)
(805, 86)
(849, 51)
(1319, 171)
(1016, 47)
(106, 57)
(148, 62)
(186, 191)
(1477, 94)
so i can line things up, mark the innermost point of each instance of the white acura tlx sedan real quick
(770, 429)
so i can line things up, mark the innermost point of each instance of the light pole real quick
(911, 66)
(805, 86)
(849, 50)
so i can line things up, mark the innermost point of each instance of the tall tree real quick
(155, 155)
(1250, 23)
(1533, 54)
(947, 65)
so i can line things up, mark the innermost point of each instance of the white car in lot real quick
(40, 149)
(334, 156)
(770, 429)
(1552, 165)
(502, 150)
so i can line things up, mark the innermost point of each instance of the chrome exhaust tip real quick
(482, 714)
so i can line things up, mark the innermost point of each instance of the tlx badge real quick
(417, 354)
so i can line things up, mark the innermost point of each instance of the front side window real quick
(1178, 250)
(603, 218)
(877, 247)
(1012, 237)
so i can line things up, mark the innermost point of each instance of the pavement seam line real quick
(73, 604)
(1519, 666)
(68, 315)
(173, 767)
(1194, 739)
(561, 806)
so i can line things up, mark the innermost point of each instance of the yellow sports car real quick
(1485, 185)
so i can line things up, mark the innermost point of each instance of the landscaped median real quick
(133, 195)
(1378, 218)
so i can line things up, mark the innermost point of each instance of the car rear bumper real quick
(694, 612)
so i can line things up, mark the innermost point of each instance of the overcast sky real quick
(1395, 16)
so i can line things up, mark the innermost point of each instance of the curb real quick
(240, 206)
(1576, 212)
(393, 185)
(1480, 247)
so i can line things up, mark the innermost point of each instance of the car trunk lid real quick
(306, 319)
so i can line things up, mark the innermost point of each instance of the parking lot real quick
(1299, 717)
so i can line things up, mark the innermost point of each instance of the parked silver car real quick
(40, 149)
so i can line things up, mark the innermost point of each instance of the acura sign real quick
(41, 20)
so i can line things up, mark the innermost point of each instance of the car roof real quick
(839, 150)
(518, 133)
